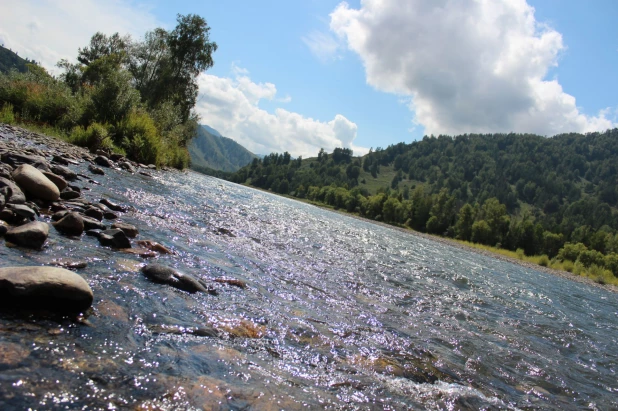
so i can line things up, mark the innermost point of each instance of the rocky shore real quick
(40, 191)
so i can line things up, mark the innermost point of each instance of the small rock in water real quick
(127, 166)
(69, 263)
(31, 235)
(64, 172)
(232, 281)
(96, 170)
(92, 223)
(154, 246)
(103, 161)
(114, 238)
(69, 194)
(52, 288)
(167, 275)
(110, 215)
(94, 213)
(71, 224)
(114, 206)
(129, 229)
(35, 184)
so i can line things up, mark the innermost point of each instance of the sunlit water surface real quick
(338, 313)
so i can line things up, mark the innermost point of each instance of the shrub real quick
(567, 265)
(140, 139)
(571, 251)
(611, 263)
(578, 268)
(591, 257)
(543, 261)
(520, 253)
(94, 137)
(6, 114)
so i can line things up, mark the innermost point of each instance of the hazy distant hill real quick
(210, 150)
(10, 60)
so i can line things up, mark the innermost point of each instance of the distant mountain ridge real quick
(10, 60)
(210, 150)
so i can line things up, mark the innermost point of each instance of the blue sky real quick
(299, 75)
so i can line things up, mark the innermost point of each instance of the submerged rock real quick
(154, 246)
(34, 183)
(71, 224)
(52, 288)
(31, 235)
(167, 275)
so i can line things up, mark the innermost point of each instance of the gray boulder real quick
(71, 224)
(44, 287)
(31, 235)
(33, 182)
(167, 275)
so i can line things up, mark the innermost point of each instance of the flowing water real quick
(338, 313)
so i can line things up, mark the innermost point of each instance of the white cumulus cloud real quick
(466, 65)
(231, 106)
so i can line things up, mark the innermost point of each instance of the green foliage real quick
(6, 114)
(139, 137)
(9, 60)
(567, 265)
(571, 251)
(218, 153)
(520, 253)
(95, 137)
(543, 261)
(591, 257)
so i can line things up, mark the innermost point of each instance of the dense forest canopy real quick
(122, 94)
(517, 191)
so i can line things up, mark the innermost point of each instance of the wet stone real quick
(51, 288)
(166, 275)
(71, 224)
(92, 223)
(110, 215)
(12, 354)
(96, 170)
(154, 246)
(94, 212)
(31, 235)
(23, 211)
(113, 206)
(69, 195)
(103, 161)
(64, 172)
(59, 214)
(114, 238)
(4, 227)
(129, 229)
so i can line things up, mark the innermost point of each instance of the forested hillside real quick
(9, 60)
(516, 191)
(210, 150)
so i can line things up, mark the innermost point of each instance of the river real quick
(338, 313)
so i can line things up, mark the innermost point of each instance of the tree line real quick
(131, 96)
